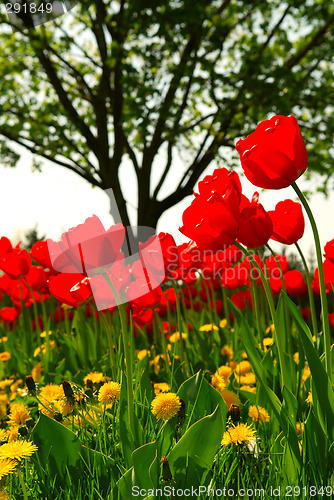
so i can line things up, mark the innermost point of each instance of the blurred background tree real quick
(168, 86)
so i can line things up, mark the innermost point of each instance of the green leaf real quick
(61, 449)
(320, 379)
(143, 458)
(202, 397)
(192, 457)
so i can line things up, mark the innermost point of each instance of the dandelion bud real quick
(30, 422)
(68, 391)
(23, 431)
(30, 383)
(166, 473)
(234, 413)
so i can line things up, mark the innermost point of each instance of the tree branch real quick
(315, 40)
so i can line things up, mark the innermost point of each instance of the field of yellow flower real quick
(208, 377)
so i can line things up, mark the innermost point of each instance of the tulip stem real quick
(323, 296)
(270, 299)
(310, 291)
(127, 353)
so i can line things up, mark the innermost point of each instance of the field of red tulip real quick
(203, 370)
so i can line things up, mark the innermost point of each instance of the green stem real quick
(127, 352)
(310, 291)
(279, 266)
(323, 296)
(225, 306)
(272, 311)
(23, 486)
(183, 352)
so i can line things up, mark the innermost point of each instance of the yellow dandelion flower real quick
(166, 405)
(225, 372)
(36, 372)
(230, 398)
(241, 434)
(223, 323)
(6, 467)
(175, 337)
(161, 387)
(270, 328)
(51, 392)
(3, 339)
(247, 388)
(267, 342)
(208, 328)
(43, 334)
(233, 364)
(109, 392)
(19, 413)
(248, 379)
(227, 351)
(17, 450)
(244, 355)
(3, 435)
(6, 383)
(296, 357)
(227, 439)
(243, 367)
(258, 413)
(13, 433)
(143, 353)
(5, 356)
(300, 428)
(218, 382)
(309, 398)
(4, 495)
(94, 377)
(306, 373)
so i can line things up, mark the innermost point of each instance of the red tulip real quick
(331, 319)
(328, 274)
(329, 251)
(87, 248)
(288, 222)
(273, 156)
(40, 253)
(272, 266)
(61, 285)
(255, 224)
(16, 263)
(143, 295)
(81, 291)
(169, 251)
(240, 299)
(306, 313)
(295, 283)
(190, 259)
(235, 277)
(5, 246)
(212, 219)
(232, 254)
(37, 278)
(9, 314)
(5, 282)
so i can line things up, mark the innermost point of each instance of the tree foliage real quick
(164, 83)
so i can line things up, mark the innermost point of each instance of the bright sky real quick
(57, 199)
